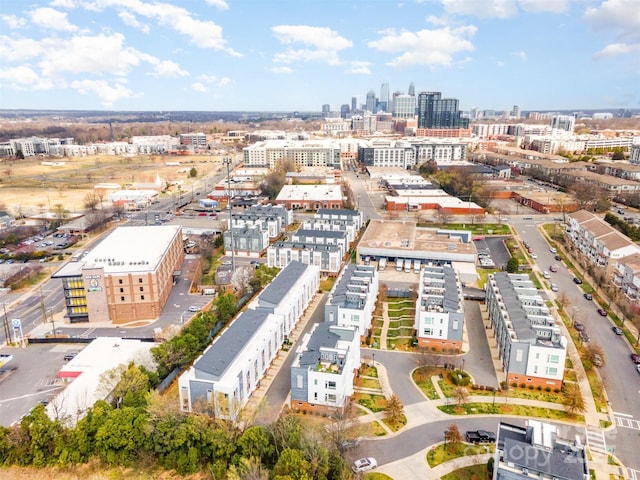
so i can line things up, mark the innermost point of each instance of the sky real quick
(285, 55)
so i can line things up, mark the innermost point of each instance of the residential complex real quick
(224, 377)
(531, 348)
(126, 277)
(310, 197)
(537, 451)
(439, 320)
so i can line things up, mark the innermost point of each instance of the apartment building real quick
(352, 299)
(439, 318)
(356, 216)
(310, 197)
(323, 371)
(246, 240)
(224, 377)
(303, 153)
(530, 346)
(602, 244)
(349, 227)
(126, 277)
(537, 451)
(326, 257)
(626, 276)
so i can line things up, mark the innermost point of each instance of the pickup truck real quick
(480, 436)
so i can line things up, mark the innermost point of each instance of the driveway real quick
(478, 360)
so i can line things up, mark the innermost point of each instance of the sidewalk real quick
(385, 326)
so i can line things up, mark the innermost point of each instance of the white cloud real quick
(324, 43)
(19, 49)
(23, 78)
(62, 3)
(622, 16)
(552, 6)
(521, 55)
(131, 20)
(213, 80)
(224, 81)
(481, 8)
(13, 21)
(221, 4)
(616, 49)
(167, 68)
(203, 34)
(53, 19)
(359, 67)
(199, 87)
(425, 47)
(109, 94)
(281, 70)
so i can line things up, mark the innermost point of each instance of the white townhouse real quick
(439, 318)
(598, 240)
(223, 378)
(626, 276)
(530, 346)
(352, 299)
(323, 370)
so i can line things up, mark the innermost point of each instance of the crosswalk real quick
(627, 422)
(634, 474)
(595, 440)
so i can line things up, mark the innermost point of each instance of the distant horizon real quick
(291, 55)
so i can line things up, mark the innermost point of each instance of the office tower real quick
(404, 106)
(344, 110)
(412, 89)
(515, 113)
(383, 103)
(354, 103)
(326, 109)
(563, 122)
(437, 112)
(371, 101)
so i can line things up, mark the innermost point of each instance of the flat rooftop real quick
(310, 192)
(405, 235)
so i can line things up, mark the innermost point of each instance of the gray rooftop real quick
(349, 277)
(517, 313)
(318, 247)
(217, 358)
(276, 290)
(338, 211)
(562, 461)
(325, 335)
(451, 299)
(303, 232)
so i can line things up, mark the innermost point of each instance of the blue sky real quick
(299, 54)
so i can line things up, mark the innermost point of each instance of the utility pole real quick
(227, 161)
(44, 312)
(52, 321)
(5, 323)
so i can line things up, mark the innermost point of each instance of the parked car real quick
(578, 326)
(638, 368)
(70, 356)
(553, 268)
(545, 274)
(364, 465)
(597, 360)
(602, 312)
(617, 330)
(534, 256)
(349, 444)
(577, 281)
(194, 308)
(588, 296)
(558, 257)
(585, 336)
(554, 287)
(480, 436)
(635, 358)
(553, 250)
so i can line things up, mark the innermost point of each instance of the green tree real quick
(255, 442)
(453, 437)
(226, 306)
(513, 265)
(292, 464)
(193, 173)
(121, 439)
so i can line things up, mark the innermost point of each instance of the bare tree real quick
(241, 279)
(594, 354)
(563, 300)
(572, 398)
(443, 216)
(395, 410)
(453, 437)
(90, 201)
(461, 395)
(424, 357)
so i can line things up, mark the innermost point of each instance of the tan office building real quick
(127, 277)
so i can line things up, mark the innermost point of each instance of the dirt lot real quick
(29, 186)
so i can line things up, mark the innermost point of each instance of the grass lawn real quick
(327, 284)
(367, 383)
(534, 394)
(422, 378)
(368, 371)
(375, 403)
(396, 425)
(443, 453)
(399, 343)
(473, 472)
(509, 409)
(378, 431)
(376, 476)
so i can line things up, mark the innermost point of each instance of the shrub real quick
(547, 389)
(556, 390)
(523, 385)
(514, 384)
(531, 387)
(474, 387)
(539, 388)
(460, 378)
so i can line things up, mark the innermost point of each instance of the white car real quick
(546, 274)
(554, 287)
(553, 250)
(364, 465)
(194, 308)
(534, 255)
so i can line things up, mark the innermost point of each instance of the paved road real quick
(478, 360)
(622, 382)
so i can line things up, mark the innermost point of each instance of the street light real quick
(227, 161)
(374, 359)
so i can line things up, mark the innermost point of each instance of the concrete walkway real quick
(385, 326)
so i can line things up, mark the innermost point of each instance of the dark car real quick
(577, 280)
(588, 296)
(585, 336)
(617, 330)
(602, 312)
(558, 257)
(578, 326)
(480, 436)
(635, 358)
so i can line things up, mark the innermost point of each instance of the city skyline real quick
(222, 55)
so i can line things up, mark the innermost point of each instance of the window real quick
(120, 281)
(330, 385)
(139, 280)
(553, 358)
(552, 371)
(122, 299)
(428, 331)
(122, 290)
(519, 354)
(299, 381)
(141, 297)
(329, 397)
(142, 289)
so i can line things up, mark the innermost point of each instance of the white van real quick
(399, 263)
(407, 265)
(416, 266)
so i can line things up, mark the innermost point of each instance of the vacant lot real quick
(28, 186)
